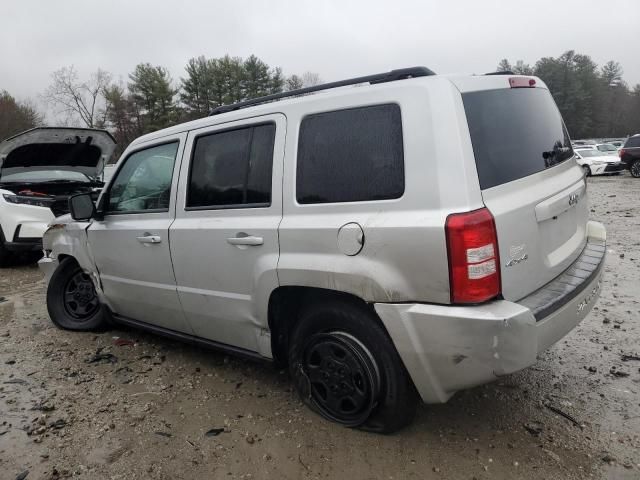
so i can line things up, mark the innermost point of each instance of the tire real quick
(72, 301)
(586, 170)
(346, 368)
(635, 169)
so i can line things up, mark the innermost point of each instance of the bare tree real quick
(294, 82)
(311, 79)
(504, 66)
(83, 100)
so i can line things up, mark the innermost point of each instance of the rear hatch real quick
(529, 181)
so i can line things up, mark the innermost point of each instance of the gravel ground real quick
(158, 409)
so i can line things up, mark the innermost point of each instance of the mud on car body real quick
(404, 238)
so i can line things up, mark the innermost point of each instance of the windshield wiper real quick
(551, 157)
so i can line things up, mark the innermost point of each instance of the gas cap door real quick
(350, 239)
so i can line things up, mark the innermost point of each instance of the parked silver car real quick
(407, 238)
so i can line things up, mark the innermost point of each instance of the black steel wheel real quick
(635, 169)
(344, 380)
(80, 297)
(346, 368)
(72, 301)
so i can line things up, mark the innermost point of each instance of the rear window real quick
(351, 155)
(515, 133)
(232, 168)
(632, 142)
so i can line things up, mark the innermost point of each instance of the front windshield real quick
(44, 176)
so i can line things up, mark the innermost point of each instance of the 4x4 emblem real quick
(518, 254)
(573, 198)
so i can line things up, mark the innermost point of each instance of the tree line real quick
(594, 101)
(16, 116)
(149, 99)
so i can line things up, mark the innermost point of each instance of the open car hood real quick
(83, 150)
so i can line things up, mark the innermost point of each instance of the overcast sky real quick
(337, 39)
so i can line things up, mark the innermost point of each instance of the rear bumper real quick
(450, 348)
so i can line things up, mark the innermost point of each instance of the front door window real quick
(143, 184)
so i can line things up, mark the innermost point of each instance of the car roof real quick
(462, 83)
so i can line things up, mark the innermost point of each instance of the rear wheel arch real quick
(341, 358)
(286, 304)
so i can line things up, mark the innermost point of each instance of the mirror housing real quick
(81, 207)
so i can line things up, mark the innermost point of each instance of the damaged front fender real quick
(67, 238)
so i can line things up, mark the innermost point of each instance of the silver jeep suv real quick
(389, 238)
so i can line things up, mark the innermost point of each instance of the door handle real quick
(246, 240)
(148, 238)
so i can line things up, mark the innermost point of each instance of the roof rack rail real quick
(501, 72)
(400, 74)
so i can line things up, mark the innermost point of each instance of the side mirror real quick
(81, 207)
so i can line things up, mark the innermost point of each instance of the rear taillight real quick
(474, 263)
(621, 152)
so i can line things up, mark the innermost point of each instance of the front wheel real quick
(72, 300)
(635, 169)
(346, 368)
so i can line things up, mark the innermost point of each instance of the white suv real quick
(39, 170)
(389, 237)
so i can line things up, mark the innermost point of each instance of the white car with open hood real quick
(39, 170)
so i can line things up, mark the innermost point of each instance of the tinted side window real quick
(144, 181)
(351, 155)
(232, 168)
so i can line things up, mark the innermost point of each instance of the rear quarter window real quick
(351, 155)
(515, 132)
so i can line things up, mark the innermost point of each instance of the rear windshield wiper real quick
(552, 157)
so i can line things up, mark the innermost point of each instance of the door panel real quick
(225, 257)
(131, 244)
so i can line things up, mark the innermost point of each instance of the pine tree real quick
(154, 97)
